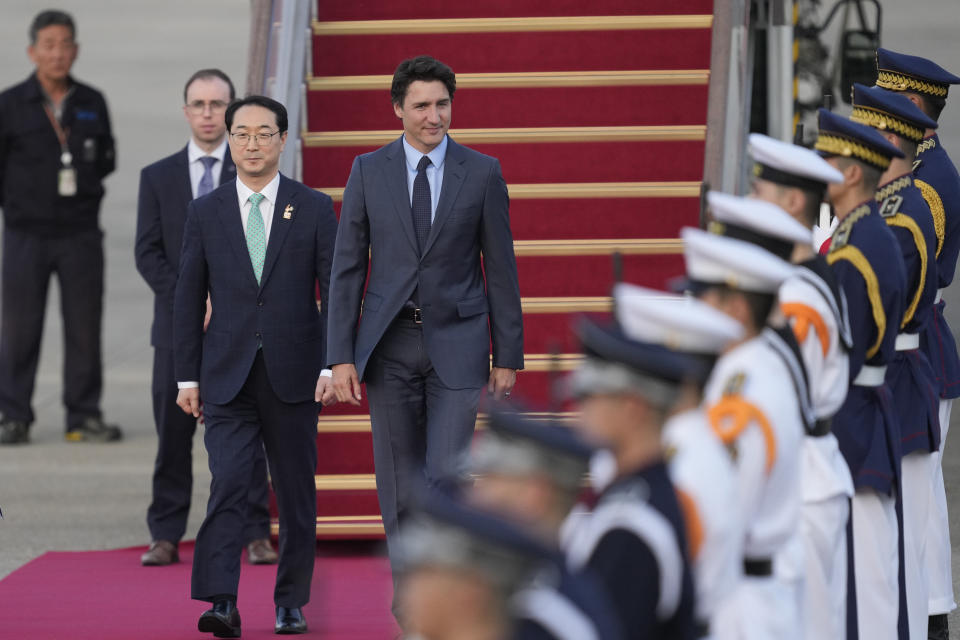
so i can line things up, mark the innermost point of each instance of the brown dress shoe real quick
(261, 552)
(160, 553)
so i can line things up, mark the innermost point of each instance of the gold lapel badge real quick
(288, 212)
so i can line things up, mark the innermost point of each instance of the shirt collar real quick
(413, 156)
(269, 192)
(194, 152)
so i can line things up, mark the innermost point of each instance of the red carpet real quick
(107, 595)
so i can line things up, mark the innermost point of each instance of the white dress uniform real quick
(699, 464)
(816, 310)
(752, 404)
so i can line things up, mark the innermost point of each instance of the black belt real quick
(411, 313)
(820, 428)
(758, 567)
(701, 629)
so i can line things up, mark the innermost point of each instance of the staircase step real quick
(665, 104)
(556, 219)
(512, 52)
(393, 10)
(520, 135)
(582, 190)
(344, 452)
(592, 275)
(525, 162)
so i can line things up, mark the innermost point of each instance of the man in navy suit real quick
(417, 216)
(259, 245)
(166, 188)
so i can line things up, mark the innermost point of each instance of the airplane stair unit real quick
(597, 113)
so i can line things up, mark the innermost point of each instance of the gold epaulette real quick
(841, 234)
(899, 82)
(936, 210)
(886, 121)
(890, 189)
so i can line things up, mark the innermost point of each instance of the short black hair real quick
(50, 18)
(260, 101)
(811, 205)
(759, 304)
(871, 174)
(207, 74)
(932, 106)
(422, 68)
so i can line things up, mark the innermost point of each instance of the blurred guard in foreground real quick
(635, 540)
(56, 148)
(700, 465)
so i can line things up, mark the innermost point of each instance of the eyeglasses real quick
(197, 107)
(263, 139)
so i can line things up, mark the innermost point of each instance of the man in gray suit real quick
(417, 215)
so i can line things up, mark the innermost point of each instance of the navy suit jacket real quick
(165, 193)
(466, 309)
(281, 313)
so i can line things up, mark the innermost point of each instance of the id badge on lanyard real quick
(67, 175)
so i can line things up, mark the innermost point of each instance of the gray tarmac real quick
(61, 496)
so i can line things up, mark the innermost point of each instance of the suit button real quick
(258, 334)
(259, 303)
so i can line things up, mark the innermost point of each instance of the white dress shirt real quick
(434, 171)
(194, 153)
(269, 193)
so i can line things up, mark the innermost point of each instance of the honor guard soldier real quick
(865, 258)
(816, 311)
(926, 84)
(700, 465)
(910, 376)
(753, 404)
(533, 472)
(466, 573)
(634, 541)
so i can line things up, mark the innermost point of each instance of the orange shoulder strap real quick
(802, 317)
(732, 414)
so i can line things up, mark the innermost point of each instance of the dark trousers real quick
(421, 428)
(173, 468)
(28, 262)
(233, 435)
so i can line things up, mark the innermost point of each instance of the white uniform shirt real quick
(701, 468)
(824, 471)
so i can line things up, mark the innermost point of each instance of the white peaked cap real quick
(759, 216)
(677, 322)
(740, 265)
(791, 158)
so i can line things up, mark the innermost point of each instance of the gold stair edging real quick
(360, 423)
(520, 135)
(634, 246)
(509, 25)
(342, 525)
(527, 79)
(346, 482)
(583, 190)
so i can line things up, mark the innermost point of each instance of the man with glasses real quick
(261, 246)
(166, 188)
(56, 147)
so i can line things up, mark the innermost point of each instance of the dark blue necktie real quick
(422, 203)
(206, 180)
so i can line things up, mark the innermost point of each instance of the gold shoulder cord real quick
(936, 210)
(906, 222)
(855, 257)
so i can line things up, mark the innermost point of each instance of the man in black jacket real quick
(56, 148)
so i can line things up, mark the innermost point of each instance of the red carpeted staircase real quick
(597, 113)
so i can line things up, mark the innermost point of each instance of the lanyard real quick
(66, 158)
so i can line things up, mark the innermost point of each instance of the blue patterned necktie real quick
(206, 180)
(256, 235)
(422, 203)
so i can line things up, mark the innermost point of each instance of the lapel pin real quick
(288, 212)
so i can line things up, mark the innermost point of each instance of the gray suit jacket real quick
(466, 309)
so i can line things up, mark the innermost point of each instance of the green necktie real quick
(256, 235)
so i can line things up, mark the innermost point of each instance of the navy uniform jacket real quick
(634, 542)
(561, 605)
(30, 159)
(865, 258)
(165, 193)
(280, 313)
(909, 374)
(939, 182)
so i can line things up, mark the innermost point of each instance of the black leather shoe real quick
(223, 620)
(14, 432)
(290, 621)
